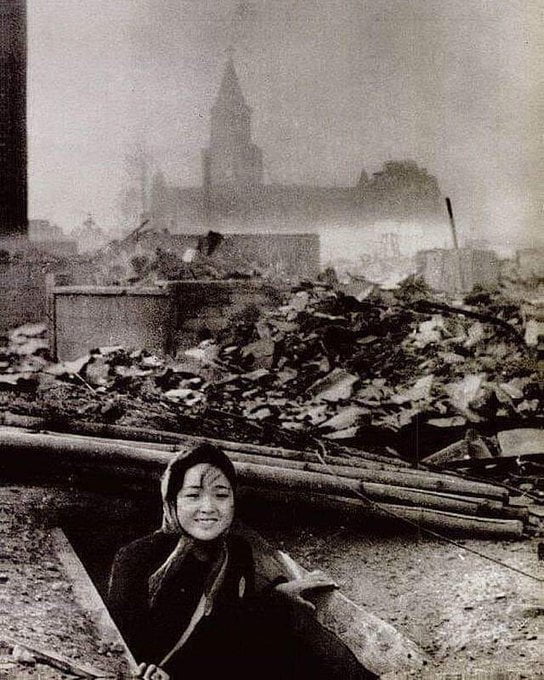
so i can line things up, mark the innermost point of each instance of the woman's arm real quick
(127, 599)
(151, 672)
(294, 591)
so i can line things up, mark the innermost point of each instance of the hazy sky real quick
(335, 85)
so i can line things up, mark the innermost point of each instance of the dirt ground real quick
(38, 605)
(467, 613)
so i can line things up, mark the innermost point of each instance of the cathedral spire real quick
(231, 159)
(230, 92)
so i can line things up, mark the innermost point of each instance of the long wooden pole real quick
(445, 481)
(259, 475)
(164, 437)
(429, 518)
(53, 452)
(402, 477)
(54, 659)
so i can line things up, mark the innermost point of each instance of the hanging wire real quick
(424, 530)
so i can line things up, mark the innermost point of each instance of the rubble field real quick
(325, 363)
(402, 374)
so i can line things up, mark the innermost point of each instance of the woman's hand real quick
(314, 580)
(151, 672)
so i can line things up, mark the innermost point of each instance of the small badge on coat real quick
(241, 587)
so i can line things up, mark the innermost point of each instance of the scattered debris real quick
(366, 373)
(521, 442)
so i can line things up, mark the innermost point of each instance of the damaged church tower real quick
(231, 162)
(234, 195)
(13, 144)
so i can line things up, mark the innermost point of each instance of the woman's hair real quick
(203, 453)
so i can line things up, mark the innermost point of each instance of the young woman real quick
(184, 598)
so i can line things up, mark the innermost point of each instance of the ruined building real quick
(13, 145)
(234, 196)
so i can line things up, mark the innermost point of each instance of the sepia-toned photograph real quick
(271, 339)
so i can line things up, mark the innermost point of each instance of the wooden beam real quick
(435, 520)
(418, 479)
(89, 598)
(69, 453)
(58, 661)
(378, 646)
(165, 437)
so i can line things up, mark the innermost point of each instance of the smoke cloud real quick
(334, 86)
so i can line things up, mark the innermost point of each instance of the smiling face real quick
(205, 502)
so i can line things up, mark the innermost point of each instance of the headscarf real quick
(171, 483)
(172, 479)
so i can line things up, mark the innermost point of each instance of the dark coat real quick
(219, 640)
(249, 635)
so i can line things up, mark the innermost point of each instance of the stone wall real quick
(84, 317)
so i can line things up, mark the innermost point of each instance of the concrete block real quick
(85, 317)
(22, 294)
(454, 271)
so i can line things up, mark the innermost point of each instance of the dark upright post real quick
(13, 144)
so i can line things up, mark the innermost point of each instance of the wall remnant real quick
(456, 271)
(22, 293)
(81, 318)
(168, 318)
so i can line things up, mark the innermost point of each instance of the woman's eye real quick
(222, 495)
(190, 495)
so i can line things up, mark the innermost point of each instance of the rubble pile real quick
(322, 373)
(144, 258)
(324, 365)
(337, 366)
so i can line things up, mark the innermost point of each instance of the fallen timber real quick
(419, 518)
(388, 473)
(448, 482)
(70, 454)
(419, 480)
(376, 644)
(491, 497)
(425, 518)
(52, 658)
(489, 494)
(166, 437)
(319, 478)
